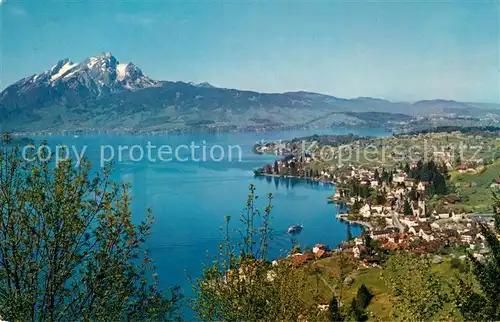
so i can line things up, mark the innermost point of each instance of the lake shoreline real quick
(338, 217)
(354, 222)
(332, 183)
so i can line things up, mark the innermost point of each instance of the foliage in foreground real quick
(419, 293)
(485, 303)
(241, 285)
(68, 247)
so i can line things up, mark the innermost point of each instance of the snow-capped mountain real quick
(103, 72)
(71, 83)
(103, 93)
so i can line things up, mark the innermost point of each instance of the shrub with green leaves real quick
(68, 247)
(418, 293)
(242, 285)
(480, 299)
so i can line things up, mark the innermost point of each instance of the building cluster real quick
(404, 222)
(396, 203)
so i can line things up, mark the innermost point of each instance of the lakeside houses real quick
(417, 236)
(495, 183)
(466, 169)
(423, 238)
(420, 229)
(319, 250)
(400, 177)
(384, 233)
(423, 230)
(396, 204)
(409, 221)
(423, 186)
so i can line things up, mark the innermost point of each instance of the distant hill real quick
(102, 93)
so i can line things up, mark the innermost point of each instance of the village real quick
(410, 203)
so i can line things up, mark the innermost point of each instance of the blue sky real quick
(398, 50)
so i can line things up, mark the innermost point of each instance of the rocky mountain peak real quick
(71, 83)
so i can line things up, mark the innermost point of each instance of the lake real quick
(189, 199)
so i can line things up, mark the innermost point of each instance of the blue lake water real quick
(190, 199)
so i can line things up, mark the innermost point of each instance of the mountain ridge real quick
(103, 93)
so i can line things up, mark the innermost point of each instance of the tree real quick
(6, 138)
(484, 305)
(276, 167)
(419, 294)
(380, 198)
(408, 211)
(406, 168)
(384, 176)
(367, 241)
(345, 264)
(376, 175)
(413, 195)
(356, 206)
(364, 296)
(349, 232)
(293, 169)
(241, 285)
(334, 310)
(365, 191)
(439, 184)
(283, 171)
(357, 310)
(68, 247)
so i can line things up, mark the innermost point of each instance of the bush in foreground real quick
(68, 248)
(241, 285)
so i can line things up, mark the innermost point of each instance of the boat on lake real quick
(295, 229)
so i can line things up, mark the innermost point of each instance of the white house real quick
(422, 186)
(457, 216)
(358, 241)
(378, 209)
(356, 251)
(426, 235)
(424, 231)
(399, 178)
(365, 211)
(409, 221)
(435, 226)
(468, 237)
